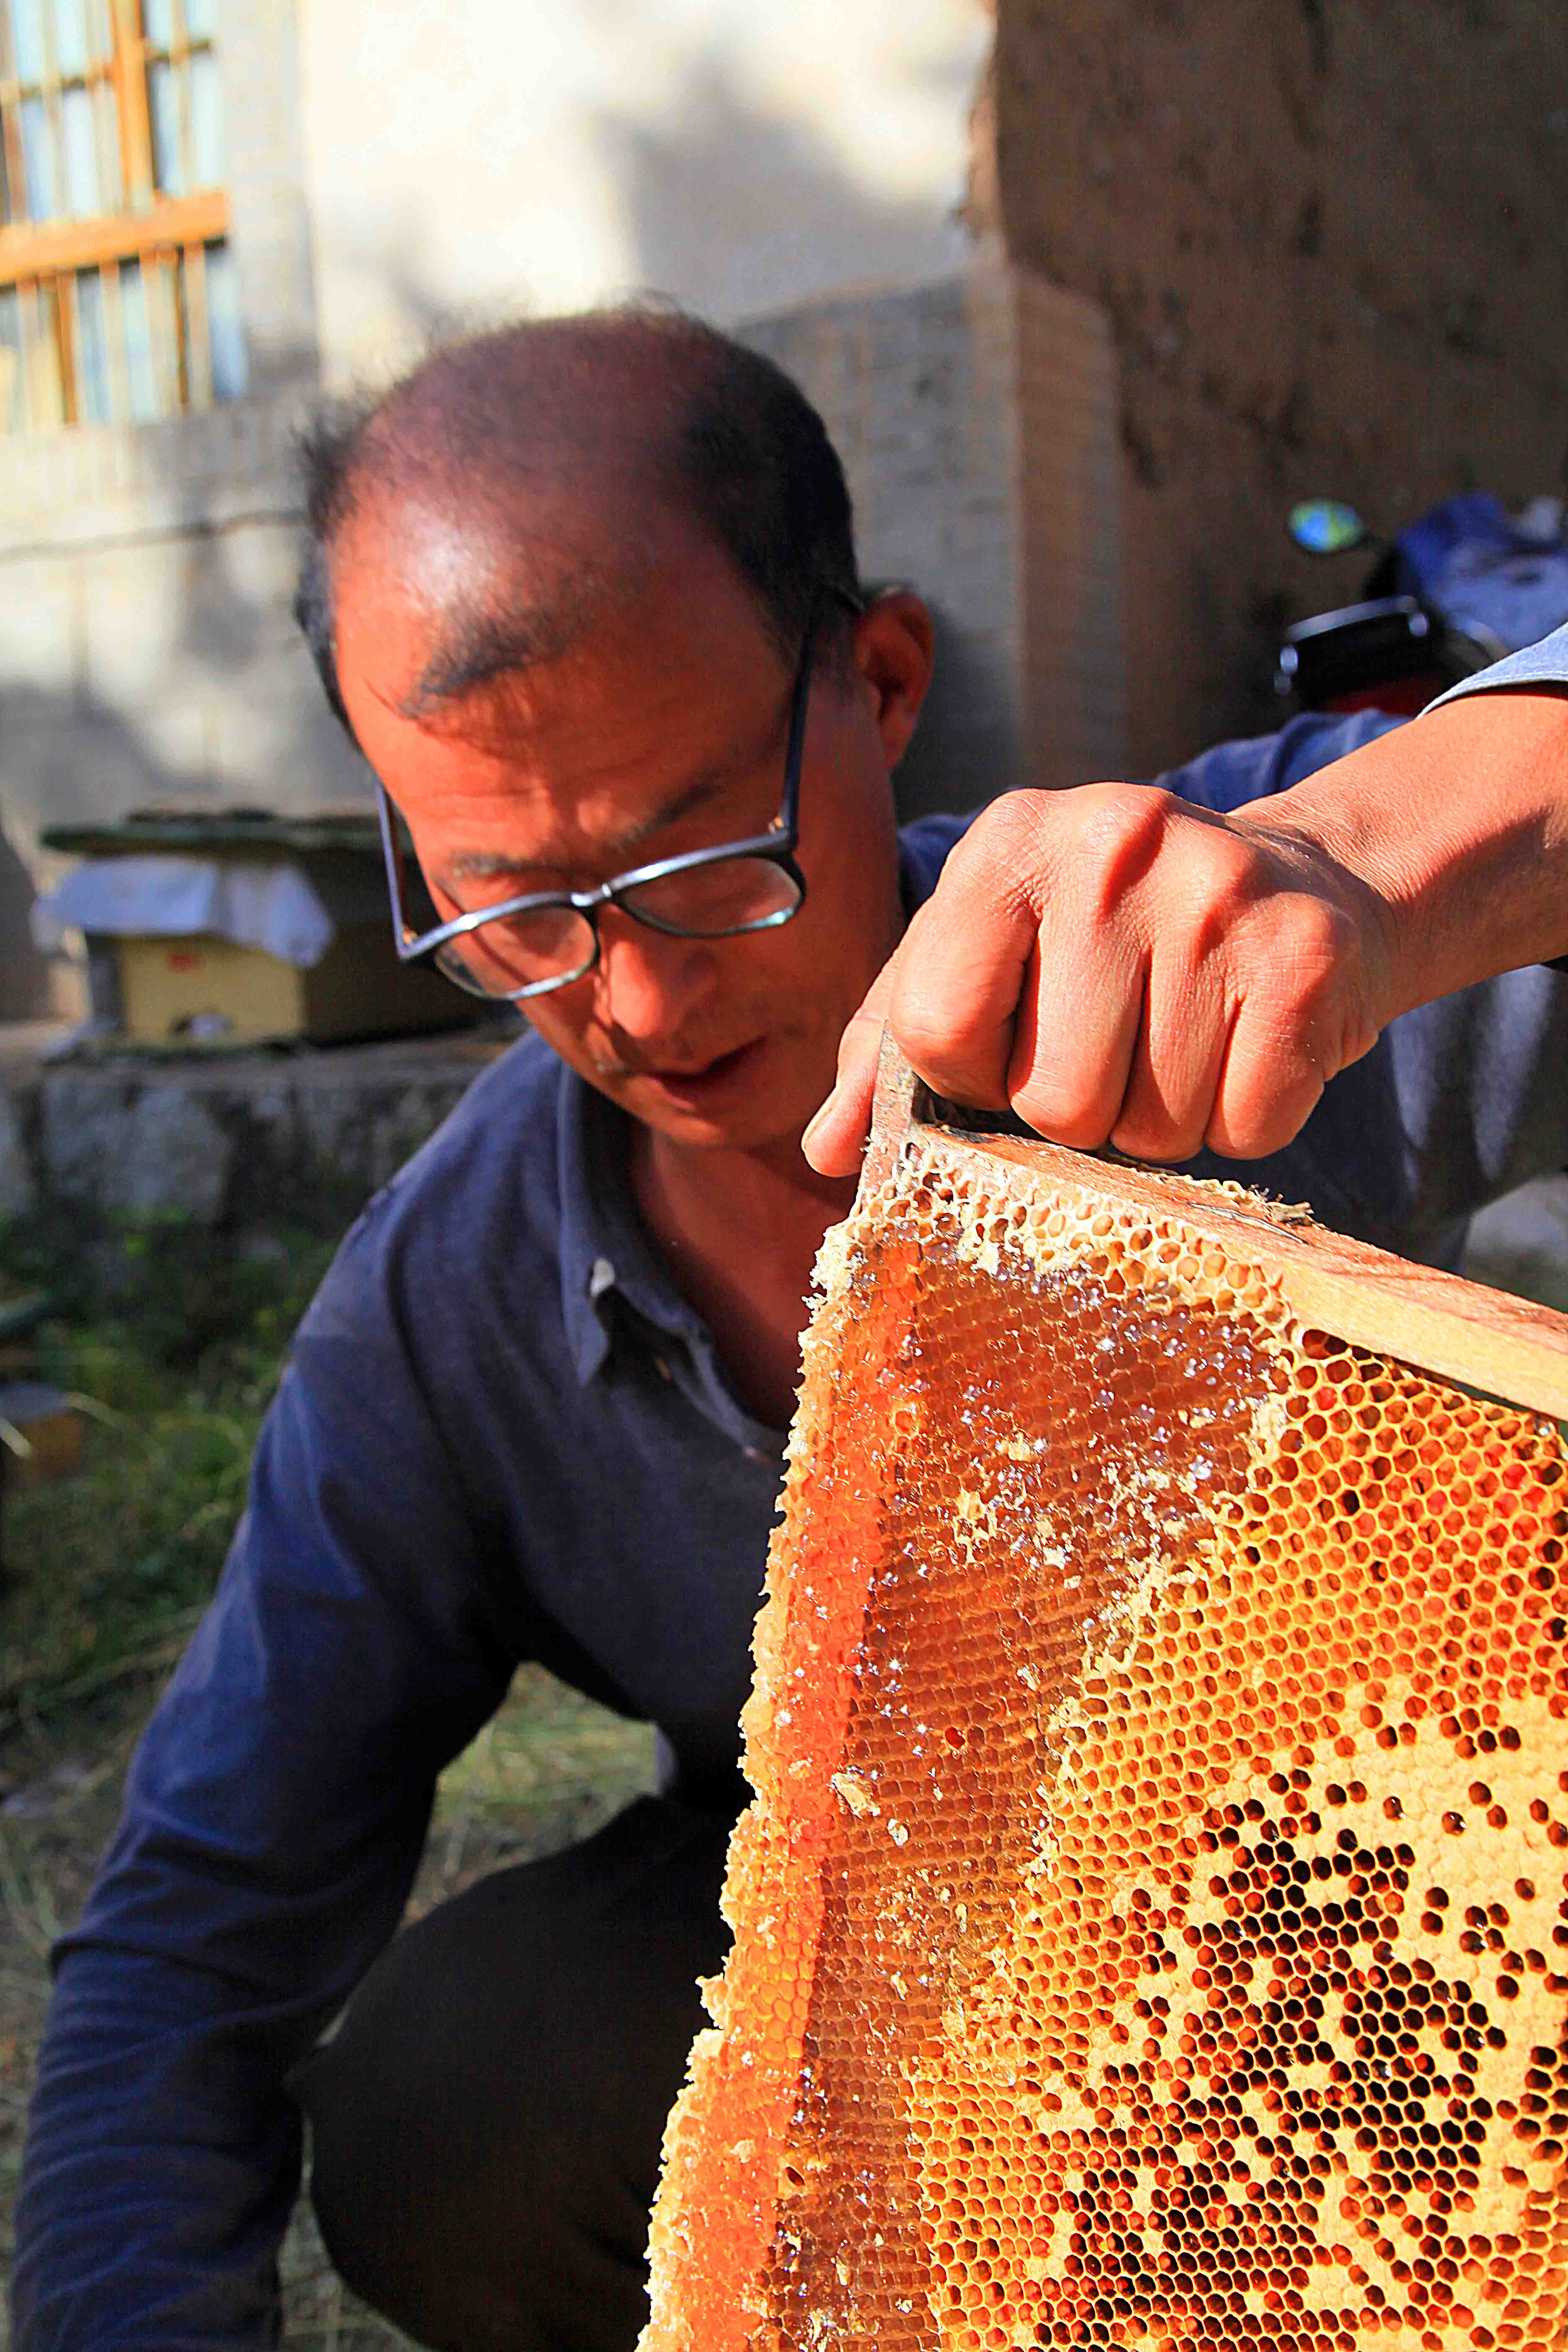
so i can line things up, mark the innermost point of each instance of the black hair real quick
(716, 427)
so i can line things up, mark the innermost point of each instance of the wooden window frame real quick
(39, 260)
(172, 225)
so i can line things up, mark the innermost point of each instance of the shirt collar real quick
(603, 1249)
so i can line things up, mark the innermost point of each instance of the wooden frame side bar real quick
(1463, 1331)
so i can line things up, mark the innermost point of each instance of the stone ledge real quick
(225, 1140)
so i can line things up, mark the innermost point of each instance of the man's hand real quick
(1119, 966)
(1114, 964)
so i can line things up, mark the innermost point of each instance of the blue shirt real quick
(504, 1434)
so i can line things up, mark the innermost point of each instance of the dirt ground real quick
(547, 1772)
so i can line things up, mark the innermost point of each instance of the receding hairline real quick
(670, 410)
(432, 442)
(604, 393)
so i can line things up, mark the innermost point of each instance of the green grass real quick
(172, 1341)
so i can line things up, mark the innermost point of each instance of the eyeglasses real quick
(550, 937)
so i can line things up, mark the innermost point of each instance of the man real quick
(584, 592)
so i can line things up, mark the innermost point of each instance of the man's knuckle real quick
(922, 1032)
(1119, 818)
(1005, 851)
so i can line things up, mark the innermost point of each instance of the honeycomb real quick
(1151, 1921)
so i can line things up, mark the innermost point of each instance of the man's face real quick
(662, 727)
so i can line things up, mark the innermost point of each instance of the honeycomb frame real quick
(1152, 1921)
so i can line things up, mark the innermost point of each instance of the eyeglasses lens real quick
(712, 902)
(525, 954)
(518, 953)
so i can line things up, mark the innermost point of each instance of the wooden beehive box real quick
(1151, 1917)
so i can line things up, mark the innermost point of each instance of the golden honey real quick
(1151, 1922)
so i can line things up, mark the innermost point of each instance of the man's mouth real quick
(699, 1083)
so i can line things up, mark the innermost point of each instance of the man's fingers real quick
(1297, 1026)
(1074, 1042)
(835, 1138)
(1112, 964)
(1175, 1070)
(960, 974)
(949, 994)
(1266, 1088)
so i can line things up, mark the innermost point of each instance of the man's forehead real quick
(556, 833)
(479, 591)
(579, 773)
(435, 602)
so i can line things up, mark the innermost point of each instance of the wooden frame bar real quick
(130, 98)
(1486, 1339)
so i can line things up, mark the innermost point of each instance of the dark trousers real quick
(487, 2120)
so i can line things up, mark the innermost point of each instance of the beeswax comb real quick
(1152, 1922)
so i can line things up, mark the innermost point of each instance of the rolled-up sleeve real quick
(1544, 665)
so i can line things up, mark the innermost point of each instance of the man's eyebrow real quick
(481, 647)
(618, 852)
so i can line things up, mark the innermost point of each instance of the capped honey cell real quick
(1152, 1921)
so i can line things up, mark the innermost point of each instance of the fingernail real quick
(814, 1121)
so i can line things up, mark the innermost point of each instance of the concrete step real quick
(221, 1138)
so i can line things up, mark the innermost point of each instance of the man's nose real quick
(646, 982)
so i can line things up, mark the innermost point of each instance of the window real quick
(118, 299)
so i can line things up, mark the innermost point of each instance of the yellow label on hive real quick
(1152, 1922)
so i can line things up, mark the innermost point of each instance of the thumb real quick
(834, 1141)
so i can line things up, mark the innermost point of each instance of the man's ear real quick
(895, 648)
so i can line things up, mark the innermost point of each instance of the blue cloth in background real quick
(1469, 559)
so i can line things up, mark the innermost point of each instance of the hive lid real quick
(252, 831)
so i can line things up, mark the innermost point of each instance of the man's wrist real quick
(1459, 823)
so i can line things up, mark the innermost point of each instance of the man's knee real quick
(487, 2121)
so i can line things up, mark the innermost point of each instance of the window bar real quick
(164, 329)
(39, 339)
(68, 334)
(198, 351)
(114, 333)
(11, 387)
(46, 400)
(50, 89)
(177, 321)
(11, 133)
(129, 72)
(180, 68)
(11, 126)
(106, 134)
(27, 332)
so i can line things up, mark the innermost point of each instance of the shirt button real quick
(755, 1453)
(601, 1278)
